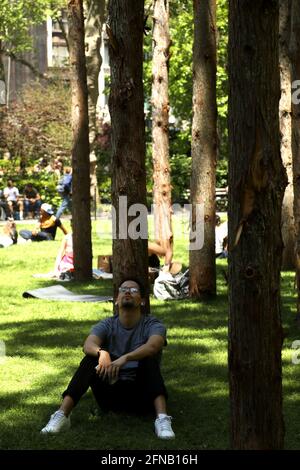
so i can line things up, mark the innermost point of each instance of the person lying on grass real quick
(9, 234)
(121, 365)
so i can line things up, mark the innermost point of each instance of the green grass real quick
(44, 346)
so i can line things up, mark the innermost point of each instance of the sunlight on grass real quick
(44, 346)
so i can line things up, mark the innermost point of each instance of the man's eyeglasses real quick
(132, 290)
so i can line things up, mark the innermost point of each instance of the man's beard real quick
(128, 303)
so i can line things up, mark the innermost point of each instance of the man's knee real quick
(89, 361)
(150, 363)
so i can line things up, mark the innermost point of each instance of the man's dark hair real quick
(141, 287)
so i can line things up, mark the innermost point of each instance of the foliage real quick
(18, 16)
(37, 125)
(35, 131)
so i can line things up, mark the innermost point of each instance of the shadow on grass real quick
(194, 367)
(197, 390)
(199, 420)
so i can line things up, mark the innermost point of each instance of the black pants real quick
(125, 395)
(39, 237)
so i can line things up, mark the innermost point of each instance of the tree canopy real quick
(17, 17)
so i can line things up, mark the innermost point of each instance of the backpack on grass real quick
(169, 287)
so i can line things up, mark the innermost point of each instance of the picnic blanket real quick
(58, 292)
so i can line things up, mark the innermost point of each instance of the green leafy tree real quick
(37, 125)
(16, 19)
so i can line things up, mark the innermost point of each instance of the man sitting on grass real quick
(46, 228)
(122, 365)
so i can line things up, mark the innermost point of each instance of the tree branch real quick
(63, 30)
(22, 61)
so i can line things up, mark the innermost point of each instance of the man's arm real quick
(153, 346)
(91, 347)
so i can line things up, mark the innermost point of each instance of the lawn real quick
(43, 341)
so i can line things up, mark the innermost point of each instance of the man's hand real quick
(34, 232)
(114, 368)
(109, 369)
(103, 363)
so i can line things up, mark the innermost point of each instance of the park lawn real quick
(44, 340)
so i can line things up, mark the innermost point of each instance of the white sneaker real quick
(57, 423)
(163, 428)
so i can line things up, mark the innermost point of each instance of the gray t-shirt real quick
(118, 340)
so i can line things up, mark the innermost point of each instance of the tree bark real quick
(94, 20)
(160, 125)
(2, 87)
(204, 146)
(295, 65)
(2, 72)
(126, 105)
(288, 226)
(81, 218)
(257, 181)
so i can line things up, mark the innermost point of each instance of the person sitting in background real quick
(46, 229)
(161, 250)
(32, 201)
(163, 246)
(4, 212)
(121, 365)
(12, 198)
(221, 238)
(65, 259)
(9, 234)
(58, 167)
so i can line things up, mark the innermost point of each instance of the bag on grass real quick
(169, 287)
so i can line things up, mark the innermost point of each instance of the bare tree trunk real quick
(126, 105)
(288, 226)
(94, 19)
(2, 86)
(2, 72)
(2, 78)
(204, 146)
(257, 181)
(295, 63)
(81, 217)
(160, 124)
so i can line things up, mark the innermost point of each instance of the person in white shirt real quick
(11, 195)
(221, 238)
(9, 235)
